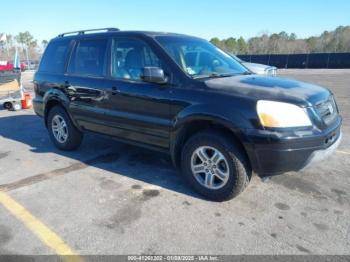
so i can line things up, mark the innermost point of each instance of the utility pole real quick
(27, 57)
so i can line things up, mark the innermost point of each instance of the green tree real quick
(293, 37)
(29, 45)
(311, 43)
(274, 43)
(215, 41)
(44, 43)
(231, 45)
(26, 39)
(242, 46)
(283, 35)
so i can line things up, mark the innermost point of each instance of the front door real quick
(138, 111)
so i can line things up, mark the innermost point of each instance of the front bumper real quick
(320, 155)
(273, 153)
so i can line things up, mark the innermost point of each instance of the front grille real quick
(327, 110)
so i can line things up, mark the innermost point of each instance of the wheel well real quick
(49, 105)
(199, 125)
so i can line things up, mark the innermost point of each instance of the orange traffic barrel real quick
(27, 101)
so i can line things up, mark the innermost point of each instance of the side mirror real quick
(153, 75)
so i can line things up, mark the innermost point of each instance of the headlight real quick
(279, 114)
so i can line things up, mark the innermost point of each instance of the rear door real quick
(138, 111)
(85, 82)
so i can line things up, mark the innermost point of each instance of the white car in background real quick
(258, 69)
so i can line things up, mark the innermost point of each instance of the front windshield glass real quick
(199, 58)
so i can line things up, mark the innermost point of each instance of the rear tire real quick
(218, 178)
(62, 131)
(8, 105)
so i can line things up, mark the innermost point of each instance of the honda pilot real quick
(183, 96)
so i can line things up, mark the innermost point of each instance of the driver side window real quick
(129, 56)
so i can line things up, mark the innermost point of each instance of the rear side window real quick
(54, 58)
(89, 58)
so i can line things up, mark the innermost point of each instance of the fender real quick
(54, 94)
(233, 121)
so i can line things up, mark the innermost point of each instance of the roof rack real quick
(82, 32)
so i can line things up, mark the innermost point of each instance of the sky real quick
(202, 18)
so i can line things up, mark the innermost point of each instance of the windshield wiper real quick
(222, 75)
(213, 75)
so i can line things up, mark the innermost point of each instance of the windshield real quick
(199, 58)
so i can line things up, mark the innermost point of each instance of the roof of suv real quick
(114, 31)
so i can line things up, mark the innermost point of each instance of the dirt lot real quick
(110, 198)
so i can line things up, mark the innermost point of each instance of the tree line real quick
(26, 44)
(337, 41)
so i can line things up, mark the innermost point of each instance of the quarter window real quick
(89, 58)
(129, 56)
(54, 57)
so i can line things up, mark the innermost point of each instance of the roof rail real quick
(82, 32)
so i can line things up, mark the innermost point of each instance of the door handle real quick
(115, 90)
(71, 89)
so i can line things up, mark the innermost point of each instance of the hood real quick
(270, 88)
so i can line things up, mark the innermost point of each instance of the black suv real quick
(183, 96)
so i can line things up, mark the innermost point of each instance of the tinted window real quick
(129, 56)
(89, 58)
(53, 60)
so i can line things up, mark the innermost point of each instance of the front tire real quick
(62, 131)
(215, 166)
